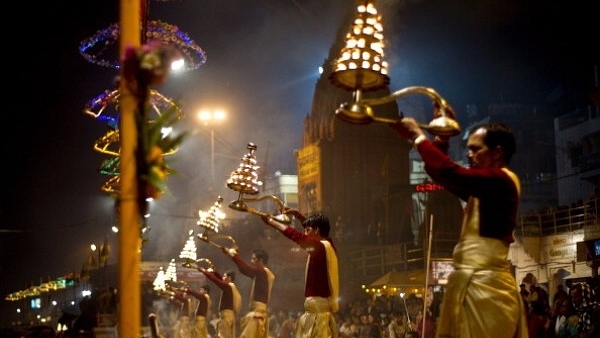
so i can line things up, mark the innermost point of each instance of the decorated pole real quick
(129, 230)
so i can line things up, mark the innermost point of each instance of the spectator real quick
(397, 327)
(524, 294)
(560, 293)
(588, 310)
(288, 326)
(347, 328)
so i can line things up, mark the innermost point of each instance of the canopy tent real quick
(583, 275)
(398, 282)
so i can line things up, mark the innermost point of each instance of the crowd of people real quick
(573, 311)
(368, 317)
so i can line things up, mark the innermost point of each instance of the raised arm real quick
(270, 221)
(294, 212)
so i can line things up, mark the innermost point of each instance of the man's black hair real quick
(230, 274)
(262, 255)
(319, 221)
(499, 135)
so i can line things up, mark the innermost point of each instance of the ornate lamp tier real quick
(361, 65)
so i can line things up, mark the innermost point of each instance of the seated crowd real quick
(572, 312)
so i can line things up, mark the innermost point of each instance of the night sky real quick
(262, 62)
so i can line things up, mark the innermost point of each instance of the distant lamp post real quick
(103, 253)
(209, 118)
(92, 262)
(98, 260)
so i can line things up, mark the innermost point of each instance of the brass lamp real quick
(360, 67)
(209, 220)
(245, 181)
(188, 253)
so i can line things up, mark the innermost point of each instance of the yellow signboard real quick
(309, 178)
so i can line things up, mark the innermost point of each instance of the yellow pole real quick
(129, 219)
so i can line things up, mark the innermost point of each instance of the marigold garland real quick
(143, 67)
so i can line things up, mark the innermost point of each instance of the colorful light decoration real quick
(104, 108)
(102, 49)
(51, 285)
(100, 106)
(94, 48)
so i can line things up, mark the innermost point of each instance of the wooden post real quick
(129, 216)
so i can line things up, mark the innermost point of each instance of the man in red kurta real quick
(481, 298)
(229, 303)
(322, 276)
(204, 304)
(255, 323)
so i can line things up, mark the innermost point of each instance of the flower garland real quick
(156, 147)
(143, 67)
(105, 108)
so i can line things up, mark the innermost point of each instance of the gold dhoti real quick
(226, 324)
(183, 328)
(481, 299)
(254, 323)
(200, 327)
(317, 321)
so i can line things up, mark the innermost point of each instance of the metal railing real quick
(560, 220)
(373, 261)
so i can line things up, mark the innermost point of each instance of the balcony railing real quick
(373, 261)
(560, 220)
(369, 262)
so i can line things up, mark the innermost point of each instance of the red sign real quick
(424, 187)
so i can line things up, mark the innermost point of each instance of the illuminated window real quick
(36, 303)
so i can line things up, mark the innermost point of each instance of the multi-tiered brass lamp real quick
(209, 221)
(361, 67)
(244, 180)
(189, 251)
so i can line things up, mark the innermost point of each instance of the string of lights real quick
(96, 47)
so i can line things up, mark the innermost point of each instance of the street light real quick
(102, 253)
(209, 118)
(92, 262)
